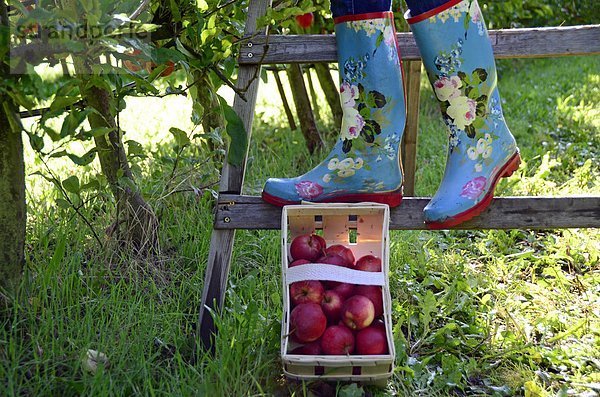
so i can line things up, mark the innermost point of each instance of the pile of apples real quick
(330, 317)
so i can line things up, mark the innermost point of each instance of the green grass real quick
(475, 313)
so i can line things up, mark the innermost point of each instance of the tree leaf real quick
(93, 184)
(237, 133)
(71, 184)
(62, 102)
(99, 131)
(62, 203)
(72, 121)
(21, 99)
(49, 179)
(36, 141)
(83, 160)
(135, 148)
(181, 137)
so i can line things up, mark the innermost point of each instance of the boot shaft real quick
(459, 60)
(371, 79)
(364, 164)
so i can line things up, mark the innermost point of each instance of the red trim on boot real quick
(507, 170)
(393, 199)
(361, 17)
(432, 12)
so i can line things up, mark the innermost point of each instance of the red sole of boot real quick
(507, 170)
(393, 199)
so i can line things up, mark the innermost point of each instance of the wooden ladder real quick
(234, 211)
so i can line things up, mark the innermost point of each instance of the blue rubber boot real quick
(457, 54)
(364, 164)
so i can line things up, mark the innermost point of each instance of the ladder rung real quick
(250, 212)
(507, 43)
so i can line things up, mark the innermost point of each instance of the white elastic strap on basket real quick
(322, 271)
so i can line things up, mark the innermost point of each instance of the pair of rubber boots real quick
(364, 165)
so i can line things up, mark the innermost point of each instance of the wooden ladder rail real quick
(234, 211)
(232, 179)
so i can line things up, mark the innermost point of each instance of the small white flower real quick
(481, 145)
(472, 153)
(346, 164)
(333, 164)
(326, 178)
(358, 163)
(478, 167)
(487, 152)
(488, 139)
(346, 173)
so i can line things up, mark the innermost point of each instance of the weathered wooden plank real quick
(249, 212)
(507, 43)
(409, 140)
(232, 178)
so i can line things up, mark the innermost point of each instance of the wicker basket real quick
(363, 228)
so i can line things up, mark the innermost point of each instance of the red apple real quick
(368, 263)
(332, 306)
(358, 312)
(305, 20)
(310, 291)
(311, 349)
(372, 340)
(321, 240)
(342, 251)
(333, 259)
(131, 65)
(307, 246)
(170, 67)
(346, 290)
(299, 262)
(373, 292)
(307, 322)
(337, 340)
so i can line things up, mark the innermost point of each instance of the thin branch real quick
(35, 52)
(224, 78)
(68, 199)
(142, 7)
(219, 8)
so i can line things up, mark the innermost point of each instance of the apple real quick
(170, 67)
(344, 252)
(130, 65)
(332, 305)
(346, 290)
(368, 263)
(337, 340)
(305, 20)
(333, 259)
(312, 348)
(307, 322)
(299, 262)
(306, 292)
(373, 292)
(307, 246)
(372, 340)
(358, 312)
